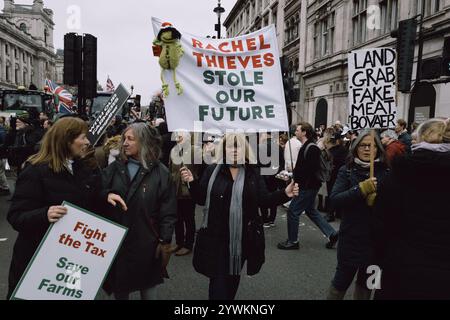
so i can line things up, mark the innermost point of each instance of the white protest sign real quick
(73, 259)
(228, 84)
(372, 88)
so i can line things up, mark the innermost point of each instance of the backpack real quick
(326, 164)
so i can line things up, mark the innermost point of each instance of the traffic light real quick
(90, 66)
(72, 59)
(446, 58)
(406, 37)
(431, 68)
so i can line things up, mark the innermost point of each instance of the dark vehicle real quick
(15, 103)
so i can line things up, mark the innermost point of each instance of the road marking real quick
(3, 240)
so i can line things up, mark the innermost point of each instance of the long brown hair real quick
(55, 145)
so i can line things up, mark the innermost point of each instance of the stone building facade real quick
(27, 54)
(319, 34)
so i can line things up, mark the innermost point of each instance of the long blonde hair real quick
(240, 141)
(55, 148)
(434, 131)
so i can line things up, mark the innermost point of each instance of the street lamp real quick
(219, 11)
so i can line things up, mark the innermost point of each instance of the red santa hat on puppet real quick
(167, 26)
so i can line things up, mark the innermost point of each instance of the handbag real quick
(205, 253)
(256, 246)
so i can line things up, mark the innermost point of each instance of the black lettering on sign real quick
(372, 88)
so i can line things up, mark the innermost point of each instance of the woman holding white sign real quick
(61, 171)
(232, 231)
(149, 211)
(354, 195)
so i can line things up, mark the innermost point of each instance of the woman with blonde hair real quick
(412, 220)
(61, 171)
(232, 230)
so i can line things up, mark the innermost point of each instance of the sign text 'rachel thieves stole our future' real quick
(229, 84)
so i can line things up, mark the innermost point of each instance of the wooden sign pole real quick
(372, 154)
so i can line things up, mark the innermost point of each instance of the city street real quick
(291, 275)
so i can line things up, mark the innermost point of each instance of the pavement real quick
(304, 274)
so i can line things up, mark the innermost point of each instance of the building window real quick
(359, 21)
(6, 49)
(291, 31)
(389, 15)
(274, 18)
(16, 74)
(316, 40)
(431, 6)
(253, 8)
(16, 54)
(324, 35)
(247, 17)
(297, 75)
(45, 36)
(8, 73)
(23, 27)
(286, 32)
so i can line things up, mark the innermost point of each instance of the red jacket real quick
(394, 150)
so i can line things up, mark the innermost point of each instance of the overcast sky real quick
(125, 33)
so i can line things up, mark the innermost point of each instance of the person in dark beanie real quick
(354, 194)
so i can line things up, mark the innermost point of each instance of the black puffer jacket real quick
(37, 189)
(213, 257)
(152, 211)
(412, 228)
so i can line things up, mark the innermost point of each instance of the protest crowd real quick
(385, 184)
(151, 180)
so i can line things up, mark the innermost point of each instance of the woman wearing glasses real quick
(354, 195)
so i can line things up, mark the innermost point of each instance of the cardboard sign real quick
(112, 108)
(73, 259)
(228, 84)
(372, 88)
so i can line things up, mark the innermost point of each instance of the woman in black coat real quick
(354, 193)
(232, 231)
(149, 211)
(56, 174)
(412, 220)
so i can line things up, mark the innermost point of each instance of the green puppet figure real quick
(171, 52)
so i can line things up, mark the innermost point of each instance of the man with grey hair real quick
(393, 147)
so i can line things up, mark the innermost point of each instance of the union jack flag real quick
(63, 99)
(110, 85)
